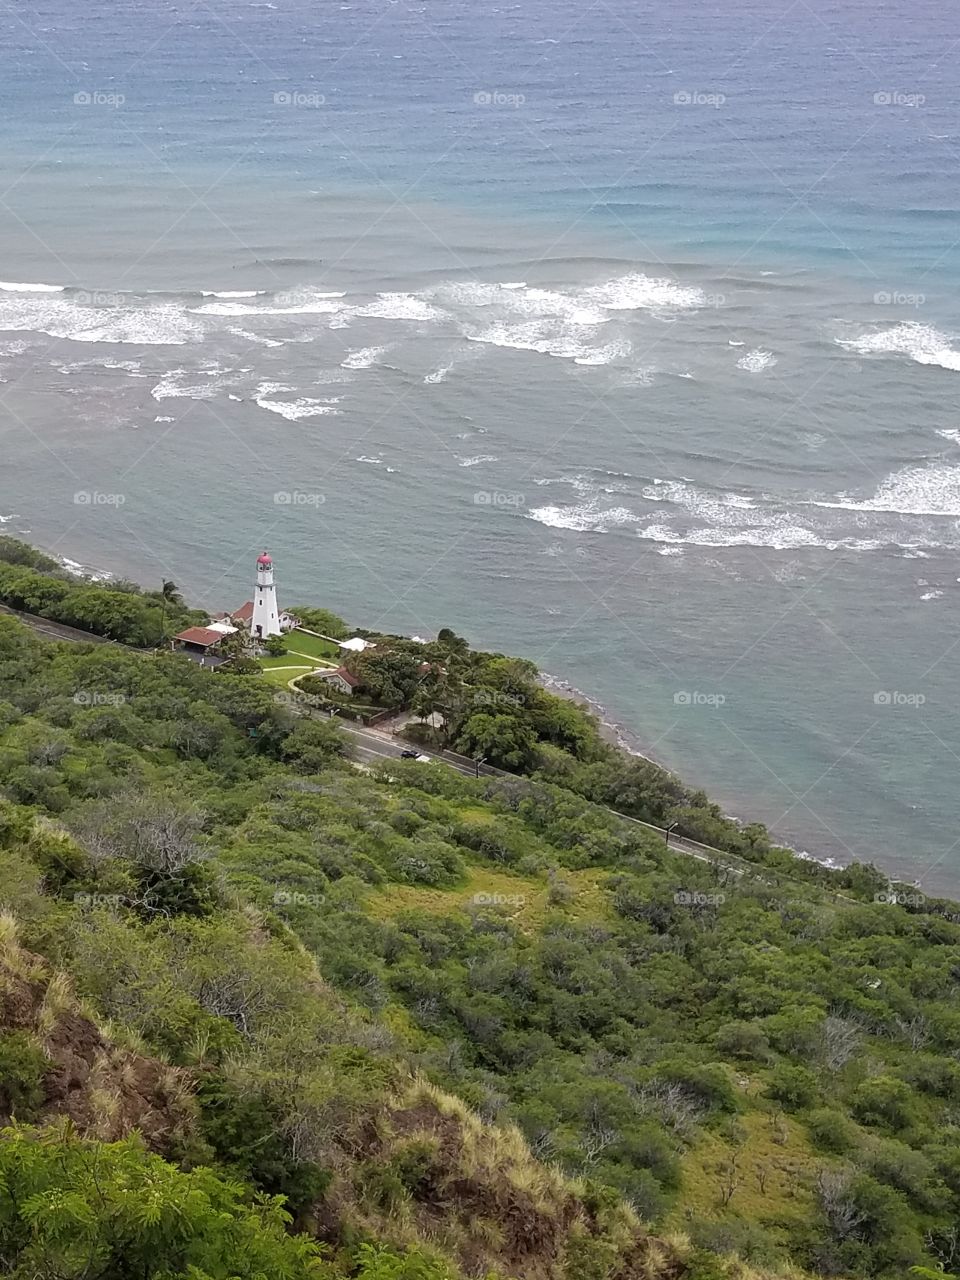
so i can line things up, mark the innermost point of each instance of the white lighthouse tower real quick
(265, 619)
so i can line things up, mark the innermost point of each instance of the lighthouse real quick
(265, 619)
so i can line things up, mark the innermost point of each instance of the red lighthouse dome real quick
(264, 560)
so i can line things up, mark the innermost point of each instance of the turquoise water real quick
(624, 339)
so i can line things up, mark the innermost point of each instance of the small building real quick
(356, 645)
(202, 645)
(340, 678)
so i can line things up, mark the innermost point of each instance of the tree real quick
(83, 1210)
(169, 594)
(322, 620)
(505, 740)
(390, 676)
(313, 744)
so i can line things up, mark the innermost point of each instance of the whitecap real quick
(475, 462)
(400, 306)
(9, 287)
(232, 293)
(950, 433)
(253, 337)
(636, 291)
(757, 360)
(173, 386)
(778, 538)
(931, 595)
(295, 410)
(931, 490)
(365, 358)
(586, 518)
(920, 342)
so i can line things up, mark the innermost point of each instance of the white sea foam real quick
(757, 360)
(376, 462)
(636, 292)
(438, 375)
(951, 434)
(920, 342)
(162, 418)
(253, 337)
(104, 362)
(365, 358)
(475, 462)
(781, 537)
(931, 595)
(9, 287)
(586, 518)
(300, 304)
(931, 490)
(564, 340)
(400, 306)
(295, 410)
(163, 324)
(182, 384)
(233, 293)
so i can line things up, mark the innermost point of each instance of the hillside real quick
(460, 1026)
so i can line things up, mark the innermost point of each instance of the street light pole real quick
(479, 761)
(666, 834)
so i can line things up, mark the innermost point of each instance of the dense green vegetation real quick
(36, 583)
(439, 1025)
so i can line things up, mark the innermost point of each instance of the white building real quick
(265, 616)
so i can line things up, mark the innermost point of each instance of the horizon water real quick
(624, 340)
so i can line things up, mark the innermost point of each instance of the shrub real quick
(832, 1131)
(795, 1087)
(22, 1068)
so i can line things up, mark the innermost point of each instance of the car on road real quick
(409, 755)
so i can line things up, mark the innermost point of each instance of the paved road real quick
(372, 745)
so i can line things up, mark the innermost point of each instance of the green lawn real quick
(312, 646)
(283, 671)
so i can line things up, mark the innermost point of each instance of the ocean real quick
(623, 337)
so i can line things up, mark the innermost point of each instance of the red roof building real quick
(204, 637)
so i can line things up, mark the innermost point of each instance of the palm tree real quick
(169, 594)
